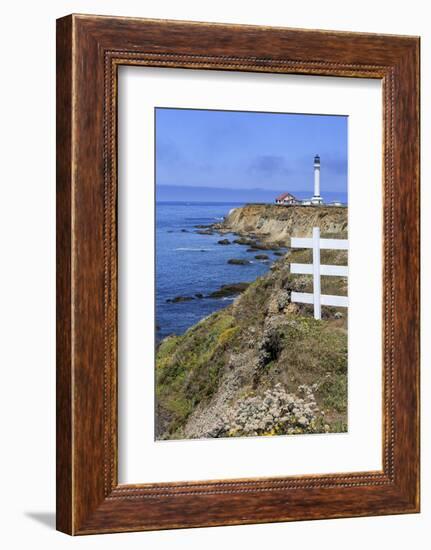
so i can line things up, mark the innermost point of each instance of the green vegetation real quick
(269, 341)
(188, 367)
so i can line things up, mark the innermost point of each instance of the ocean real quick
(188, 263)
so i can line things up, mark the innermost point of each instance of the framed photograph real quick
(237, 274)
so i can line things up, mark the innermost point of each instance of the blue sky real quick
(237, 150)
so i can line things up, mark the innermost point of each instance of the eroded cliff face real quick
(275, 223)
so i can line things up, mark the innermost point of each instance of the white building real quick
(286, 198)
(316, 199)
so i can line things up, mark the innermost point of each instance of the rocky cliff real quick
(263, 365)
(275, 223)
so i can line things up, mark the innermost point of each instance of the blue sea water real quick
(188, 263)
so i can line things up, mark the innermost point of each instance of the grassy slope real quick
(267, 341)
(189, 368)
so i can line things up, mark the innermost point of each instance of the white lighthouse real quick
(317, 199)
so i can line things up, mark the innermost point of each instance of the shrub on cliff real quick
(188, 368)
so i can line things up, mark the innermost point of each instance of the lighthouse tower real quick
(317, 199)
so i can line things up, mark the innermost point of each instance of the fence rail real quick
(330, 270)
(327, 244)
(317, 270)
(325, 299)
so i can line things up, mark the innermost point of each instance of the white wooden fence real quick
(316, 269)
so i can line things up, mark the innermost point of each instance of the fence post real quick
(316, 272)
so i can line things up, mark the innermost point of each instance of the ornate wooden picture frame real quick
(89, 51)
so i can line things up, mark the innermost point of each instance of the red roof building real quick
(286, 198)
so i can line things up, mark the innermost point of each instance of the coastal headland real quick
(277, 224)
(262, 365)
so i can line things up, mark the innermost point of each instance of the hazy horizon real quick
(184, 193)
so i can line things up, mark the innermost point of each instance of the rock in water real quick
(266, 246)
(237, 261)
(179, 299)
(244, 241)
